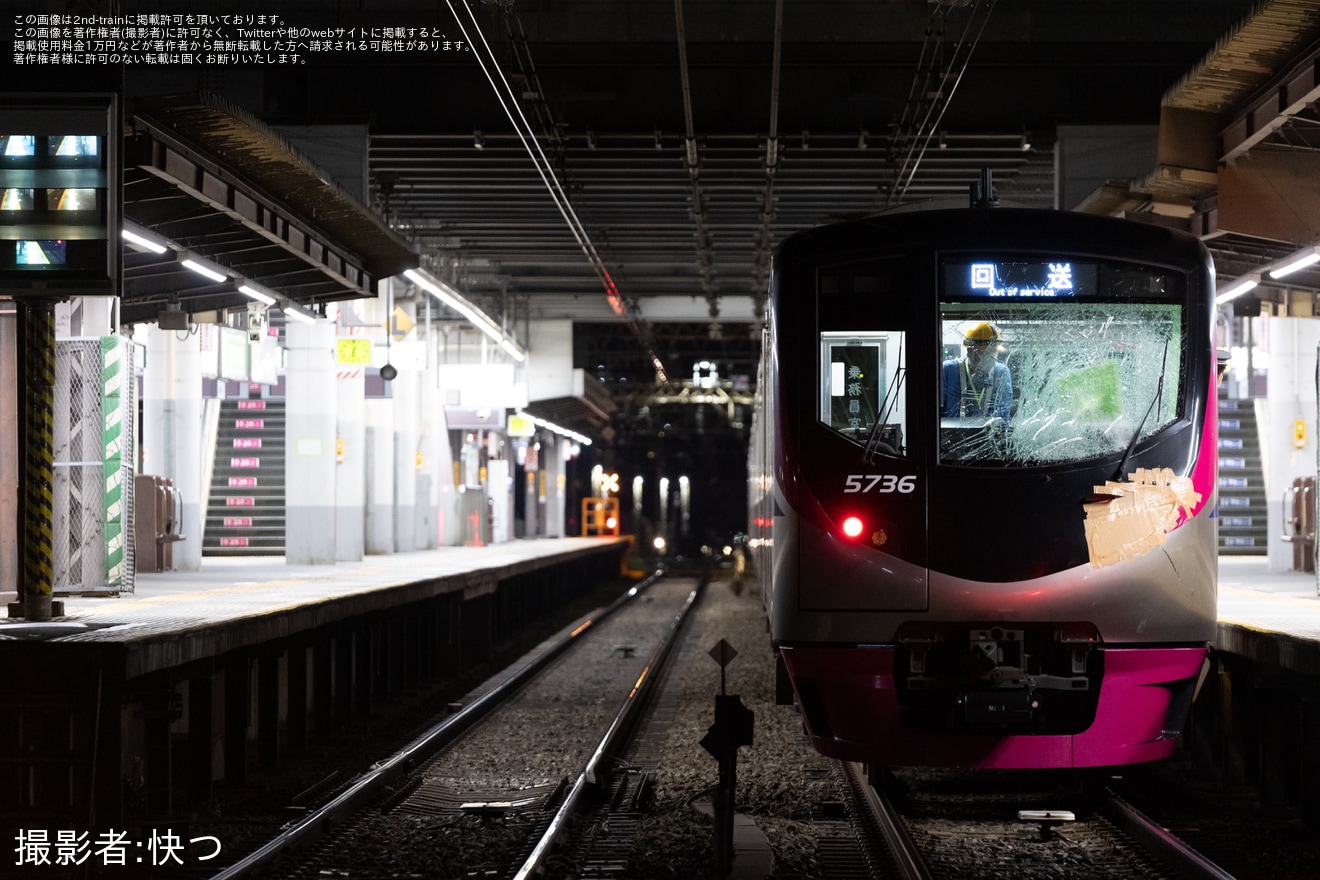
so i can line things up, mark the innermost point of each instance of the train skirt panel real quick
(855, 711)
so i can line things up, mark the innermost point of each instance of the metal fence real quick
(95, 405)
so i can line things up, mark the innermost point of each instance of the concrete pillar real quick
(85, 316)
(555, 453)
(499, 486)
(406, 422)
(350, 473)
(309, 431)
(378, 446)
(1291, 396)
(172, 428)
(434, 443)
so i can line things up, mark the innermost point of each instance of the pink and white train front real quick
(982, 486)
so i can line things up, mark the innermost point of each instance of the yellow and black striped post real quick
(38, 368)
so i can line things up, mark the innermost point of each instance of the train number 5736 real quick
(879, 483)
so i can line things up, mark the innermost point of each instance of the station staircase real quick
(1243, 528)
(245, 507)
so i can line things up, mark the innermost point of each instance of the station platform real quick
(1269, 617)
(174, 618)
(197, 678)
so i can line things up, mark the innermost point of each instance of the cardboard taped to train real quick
(1127, 519)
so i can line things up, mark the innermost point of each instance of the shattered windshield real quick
(1031, 375)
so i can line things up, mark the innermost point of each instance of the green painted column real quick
(114, 372)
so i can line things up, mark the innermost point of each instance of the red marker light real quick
(852, 527)
(611, 522)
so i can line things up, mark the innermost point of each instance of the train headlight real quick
(853, 526)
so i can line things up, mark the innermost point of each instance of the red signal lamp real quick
(611, 523)
(853, 526)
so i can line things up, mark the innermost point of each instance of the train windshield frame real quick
(1051, 359)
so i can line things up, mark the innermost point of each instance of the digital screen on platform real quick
(40, 253)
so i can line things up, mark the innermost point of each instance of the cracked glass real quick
(1024, 383)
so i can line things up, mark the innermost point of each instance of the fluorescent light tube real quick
(1298, 261)
(205, 272)
(1237, 289)
(257, 294)
(512, 349)
(143, 242)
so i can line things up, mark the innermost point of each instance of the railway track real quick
(461, 799)
(933, 825)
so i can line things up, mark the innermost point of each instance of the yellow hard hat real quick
(982, 332)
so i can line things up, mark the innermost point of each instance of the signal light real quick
(852, 527)
(611, 523)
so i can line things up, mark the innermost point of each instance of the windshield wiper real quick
(873, 441)
(1159, 392)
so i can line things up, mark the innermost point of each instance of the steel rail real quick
(623, 720)
(1173, 853)
(384, 773)
(881, 810)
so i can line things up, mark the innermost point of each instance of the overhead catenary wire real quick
(925, 130)
(529, 141)
(762, 241)
(705, 253)
(547, 174)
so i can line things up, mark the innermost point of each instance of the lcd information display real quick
(15, 145)
(60, 195)
(71, 199)
(75, 145)
(40, 253)
(1044, 279)
(17, 199)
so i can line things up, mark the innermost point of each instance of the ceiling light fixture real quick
(298, 314)
(551, 426)
(206, 271)
(509, 346)
(456, 301)
(1237, 288)
(143, 242)
(1300, 260)
(258, 295)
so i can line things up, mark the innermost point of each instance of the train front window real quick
(862, 394)
(1034, 374)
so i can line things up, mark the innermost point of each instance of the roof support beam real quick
(1276, 109)
(172, 166)
(1271, 193)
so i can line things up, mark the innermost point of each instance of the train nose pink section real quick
(850, 705)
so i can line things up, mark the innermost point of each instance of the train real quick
(982, 486)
